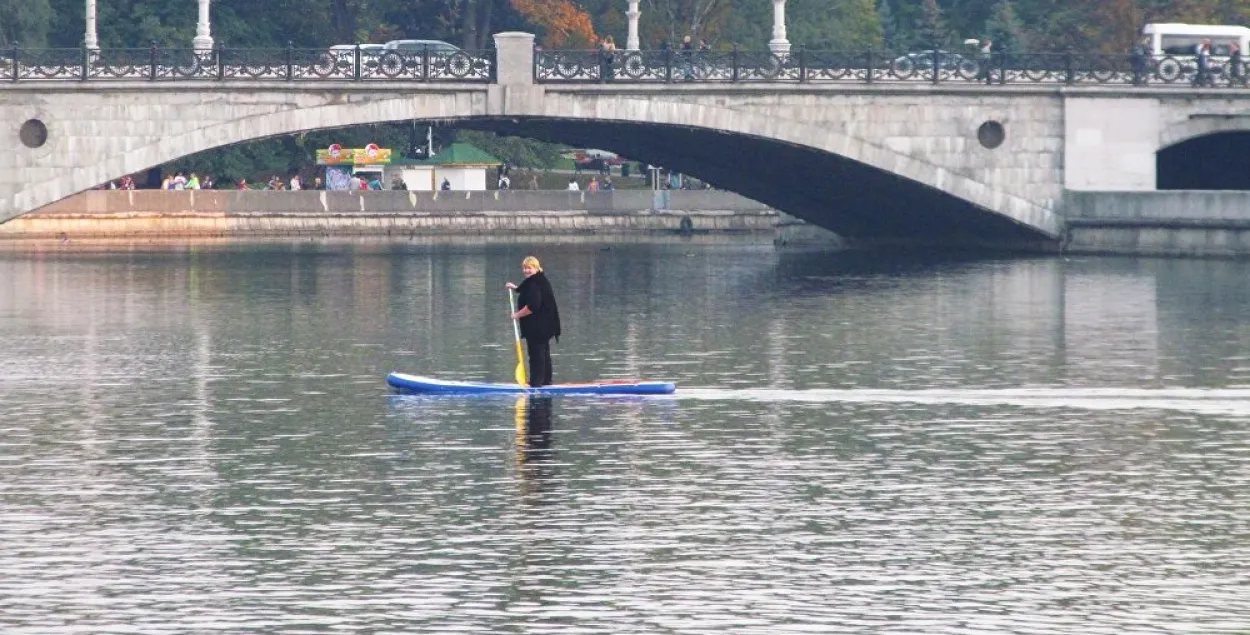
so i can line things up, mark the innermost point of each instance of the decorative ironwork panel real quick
(663, 66)
(121, 63)
(49, 64)
(156, 64)
(568, 66)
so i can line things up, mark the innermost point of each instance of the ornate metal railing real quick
(803, 66)
(223, 64)
(430, 65)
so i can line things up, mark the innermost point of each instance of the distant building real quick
(467, 167)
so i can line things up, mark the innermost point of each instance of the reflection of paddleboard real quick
(413, 383)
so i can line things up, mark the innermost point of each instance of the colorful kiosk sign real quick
(368, 155)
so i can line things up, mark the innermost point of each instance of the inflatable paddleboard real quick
(416, 384)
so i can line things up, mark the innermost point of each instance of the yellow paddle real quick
(521, 377)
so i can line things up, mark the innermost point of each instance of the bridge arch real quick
(814, 139)
(1204, 153)
(940, 197)
(1197, 127)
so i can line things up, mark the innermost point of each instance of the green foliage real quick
(1004, 27)
(842, 25)
(931, 27)
(514, 151)
(25, 23)
(889, 27)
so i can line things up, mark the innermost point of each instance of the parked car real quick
(372, 50)
(343, 57)
(407, 58)
(419, 46)
(920, 61)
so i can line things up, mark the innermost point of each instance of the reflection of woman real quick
(533, 444)
(539, 319)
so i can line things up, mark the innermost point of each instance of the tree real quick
(675, 19)
(1004, 27)
(889, 29)
(1121, 22)
(932, 26)
(841, 25)
(25, 23)
(563, 23)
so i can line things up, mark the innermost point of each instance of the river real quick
(197, 438)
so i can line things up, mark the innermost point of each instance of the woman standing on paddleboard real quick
(539, 319)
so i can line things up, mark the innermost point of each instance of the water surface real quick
(198, 439)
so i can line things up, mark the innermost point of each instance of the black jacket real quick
(544, 322)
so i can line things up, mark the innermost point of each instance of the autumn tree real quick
(563, 24)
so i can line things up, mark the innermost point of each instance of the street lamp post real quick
(203, 40)
(631, 42)
(89, 39)
(779, 45)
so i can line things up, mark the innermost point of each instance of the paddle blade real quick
(521, 377)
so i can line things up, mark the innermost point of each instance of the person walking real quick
(607, 59)
(1235, 77)
(1202, 56)
(986, 60)
(539, 319)
(687, 58)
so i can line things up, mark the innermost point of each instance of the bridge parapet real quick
(516, 51)
(222, 64)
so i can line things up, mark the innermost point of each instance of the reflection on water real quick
(534, 451)
(200, 440)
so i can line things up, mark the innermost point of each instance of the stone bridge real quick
(951, 163)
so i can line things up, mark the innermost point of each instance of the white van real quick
(1181, 39)
(1174, 46)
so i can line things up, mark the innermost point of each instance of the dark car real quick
(921, 61)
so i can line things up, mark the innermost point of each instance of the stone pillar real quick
(631, 42)
(514, 58)
(90, 39)
(203, 40)
(779, 45)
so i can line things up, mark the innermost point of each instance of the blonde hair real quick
(532, 261)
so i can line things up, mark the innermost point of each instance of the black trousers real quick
(540, 361)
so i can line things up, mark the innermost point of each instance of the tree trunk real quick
(469, 24)
(487, 13)
(343, 21)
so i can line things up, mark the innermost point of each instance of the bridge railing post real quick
(733, 58)
(220, 50)
(515, 57)
(1069, 68)
(668, 65)
(13, 60)
(802, 65)
(290, 60)
(356, 62)
(86, 63)
(152, 59)
(869, 65)
(937, 65)
(425, 62)
(1002, 67)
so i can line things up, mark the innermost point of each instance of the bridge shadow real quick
(868, 206)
